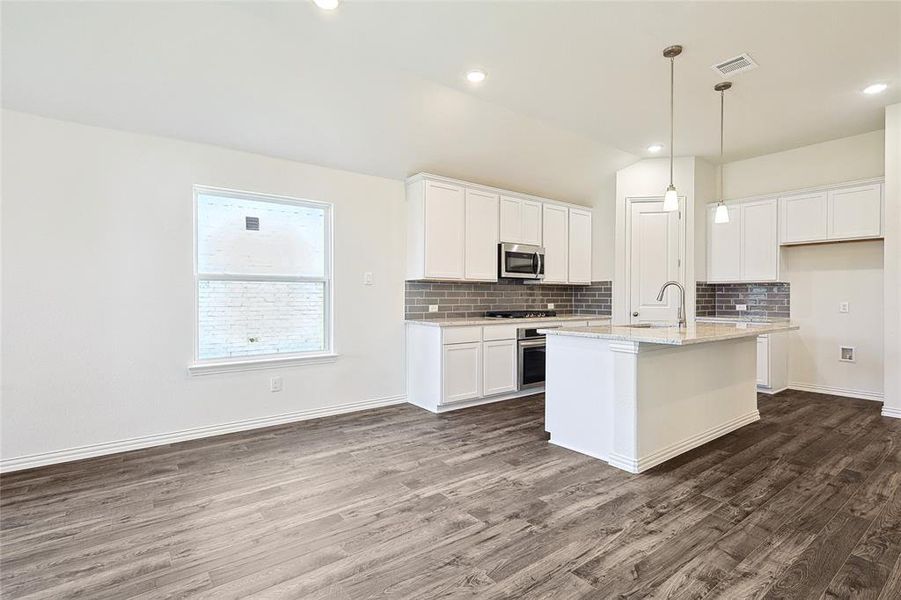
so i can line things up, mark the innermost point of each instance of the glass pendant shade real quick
(670, 199)
(722, 214)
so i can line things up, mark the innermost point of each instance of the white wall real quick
(892, 298)
(823, 275)
(98, 290)
(835, 161)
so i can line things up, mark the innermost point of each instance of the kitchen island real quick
(636, 396)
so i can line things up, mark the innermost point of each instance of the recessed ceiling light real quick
(326, 4)
(655, 147)
(476, 76)
(876, 88)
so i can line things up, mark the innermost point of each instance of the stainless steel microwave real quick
(520, 261)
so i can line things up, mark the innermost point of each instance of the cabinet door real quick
(462, 372)
(855, 212)
(444, 230)
(556, 243)
(579, 246)
(481, 235)
(511, 220)
(498, 367)
(759, 243)
(531, 223)
(763, 361)
(724, 246)
(803, 218)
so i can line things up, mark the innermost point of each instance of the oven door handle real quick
(532, 343)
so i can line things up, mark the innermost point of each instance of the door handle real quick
(635, 314)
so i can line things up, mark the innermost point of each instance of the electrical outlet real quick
(741, 307)
(550, 306)
(275, 384)
(847, 354)
(367, 278)
(843, 307)
(433, 308)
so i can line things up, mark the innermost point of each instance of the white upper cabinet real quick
(579, 246)
(759, 241)
(854, 212)
(745, 248)
(803, 218)
(520, 221)
(481, 236)
(724, 246)
(556, 243)
(841, 213)
(454, 228)
(435, 230)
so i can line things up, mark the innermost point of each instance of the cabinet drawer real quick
(499, 332)
(461, 335)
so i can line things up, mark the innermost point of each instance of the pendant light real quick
(671, 198)
(722, 213)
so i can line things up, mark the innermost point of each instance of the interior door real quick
(655, 248)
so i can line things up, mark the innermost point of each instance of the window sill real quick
(253, 364)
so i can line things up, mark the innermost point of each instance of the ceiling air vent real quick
(252, 223)
(738, 64)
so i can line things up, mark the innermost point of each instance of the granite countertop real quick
(698, 333)
(460, 322)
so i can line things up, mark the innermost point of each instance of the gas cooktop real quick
(520, 314)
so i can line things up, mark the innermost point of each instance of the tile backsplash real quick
(473, 299)
(762, 299)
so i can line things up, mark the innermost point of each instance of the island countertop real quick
(695, 333)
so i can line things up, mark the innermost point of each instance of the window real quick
(263, 277)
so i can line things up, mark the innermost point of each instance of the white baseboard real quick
(836, 391)
(443, 408)
(888, 411)
(18, 463)
(664, 454)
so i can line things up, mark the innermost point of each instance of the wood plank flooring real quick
(401, 503)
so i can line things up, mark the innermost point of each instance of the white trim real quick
(664, 454)
(422, 176)
(889, 411)
(770, 391)
(256, 363)
(836, 391)
(60, 456)
(807, 190)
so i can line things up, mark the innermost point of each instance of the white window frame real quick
(267, 361)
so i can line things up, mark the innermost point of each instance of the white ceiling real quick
(574, 90)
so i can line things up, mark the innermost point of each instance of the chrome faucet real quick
(681, 299)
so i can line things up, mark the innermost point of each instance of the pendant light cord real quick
(672, 114)
(722, 126)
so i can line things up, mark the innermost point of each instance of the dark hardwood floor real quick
(401, 503)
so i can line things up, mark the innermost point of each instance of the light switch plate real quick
(741, 307)
(275, 384)
(433, 308)
(550, 306)
(843, 307)
(367, 278)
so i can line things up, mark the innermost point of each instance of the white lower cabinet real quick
(498, 367)
(462, 372)
(458, 366)
(772, 362)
